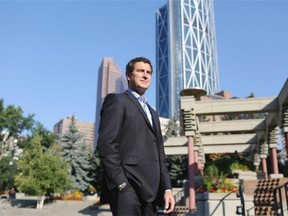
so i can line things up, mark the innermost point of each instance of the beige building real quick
(251, 125)
(85, 128)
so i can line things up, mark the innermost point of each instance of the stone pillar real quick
(264, 166)
(191, 173)
(188, 117)
(196, 159)
(187, 104)
(197, 146)
(201, 160)
(263, 156)
(273, 140)
(274, 161)
(256, 160)
(285, 126)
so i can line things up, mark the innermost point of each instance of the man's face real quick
(140, 78)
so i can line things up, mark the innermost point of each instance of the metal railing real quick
(240, 210)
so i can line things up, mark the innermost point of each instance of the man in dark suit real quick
(130, 147)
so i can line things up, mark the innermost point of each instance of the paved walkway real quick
(58, 208)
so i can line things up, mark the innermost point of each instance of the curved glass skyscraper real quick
(186, 54)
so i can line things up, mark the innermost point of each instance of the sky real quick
(50, 50)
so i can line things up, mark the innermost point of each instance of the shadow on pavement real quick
(24, 203)
(91, 210)
(29, 203)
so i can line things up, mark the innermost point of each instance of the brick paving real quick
(58, 208)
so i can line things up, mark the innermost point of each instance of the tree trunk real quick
(40, 201)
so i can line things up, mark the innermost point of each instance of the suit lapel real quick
(141, 110)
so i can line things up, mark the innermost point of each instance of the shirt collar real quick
(142, 99)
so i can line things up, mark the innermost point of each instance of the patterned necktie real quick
(145, 107)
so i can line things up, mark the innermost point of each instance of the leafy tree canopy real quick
(5, 174)
(40, 172)
(48, 138)
(172, 128)
(13, 121)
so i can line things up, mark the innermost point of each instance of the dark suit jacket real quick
(130, 148)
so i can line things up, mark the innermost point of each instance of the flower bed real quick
(73, 195)
(219, 184)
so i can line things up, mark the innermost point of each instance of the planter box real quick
(215, 204)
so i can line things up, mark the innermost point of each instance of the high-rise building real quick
(110, 80)
(185, 52)
(85, 128)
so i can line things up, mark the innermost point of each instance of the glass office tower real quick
(186, 54)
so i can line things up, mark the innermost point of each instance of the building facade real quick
(110, 80)
(186, 54)
(85, 128)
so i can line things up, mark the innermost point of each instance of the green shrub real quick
(211, 171)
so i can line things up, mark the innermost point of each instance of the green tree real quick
(13, 121)
(96, 172)
(48, 138)
(41, 173)
(178, 165)
(76, 154)
(13, 124)
(5, 173)
(171, 129)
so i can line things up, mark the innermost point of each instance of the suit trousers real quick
(127, 203)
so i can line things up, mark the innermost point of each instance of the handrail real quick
(241, 209)
(279, 199)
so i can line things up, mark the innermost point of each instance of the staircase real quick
(181, 209)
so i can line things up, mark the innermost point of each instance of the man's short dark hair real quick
(131, 64)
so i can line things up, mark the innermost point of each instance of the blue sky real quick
(50, 51)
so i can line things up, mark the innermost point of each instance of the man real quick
(130, 147)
